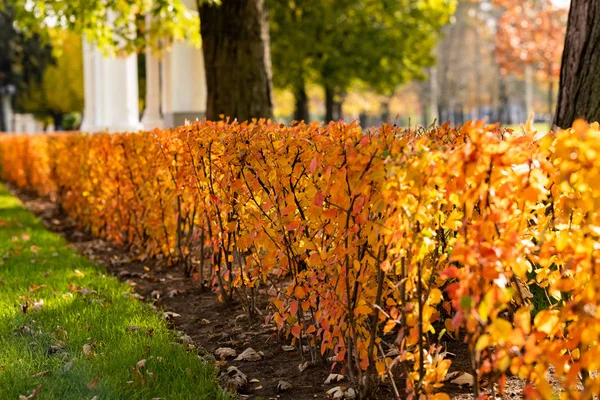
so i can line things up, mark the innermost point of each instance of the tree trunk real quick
(337, 110)
(329, 103)
(550, 98)
(3, 115)
(579, 94)
(58, 121)
(235, 43)
(385, 110)
(301, 110)
(502, 102)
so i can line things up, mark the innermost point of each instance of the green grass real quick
(100, 321)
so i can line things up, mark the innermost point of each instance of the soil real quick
(211, 324)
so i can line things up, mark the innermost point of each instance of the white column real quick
(183, 82)
(529, 90)
(89, 119)
(121, 94)
(152, 118)
(166, 84)
(18, 127)
(113, 93)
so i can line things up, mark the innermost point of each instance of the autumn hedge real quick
(370, 244)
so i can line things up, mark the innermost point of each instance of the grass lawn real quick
(69, 331)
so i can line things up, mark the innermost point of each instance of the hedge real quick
(370, 244)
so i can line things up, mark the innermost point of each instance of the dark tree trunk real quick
(301, 110)
(58, 121)
(337, 110)
(502, 102)
(329, 104)
(235, 43)
(385, 111)
(3, 115)
(579, 95)
(550, 98)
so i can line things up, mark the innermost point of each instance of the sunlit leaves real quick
(371, 245)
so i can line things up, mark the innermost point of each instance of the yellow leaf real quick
(380, 366)
(366, 310)
(435, 296)
(546, 321)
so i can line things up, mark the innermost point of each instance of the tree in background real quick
(336, 42)
(235, 35)
(579, 95)
(530, 37)
(60, 90)
(236, 47)
(23, 59)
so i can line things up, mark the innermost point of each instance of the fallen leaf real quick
(234, 378)
(225, 352)
(249, 355)
(460, 378)
(37, 305)
(93, 383)
(186, 340)
(87, 350)
(288, 348)
(336, 392)
(33, 287)
(332, 378)
(67, 366)
(169, 315)
(303, 366)
(52, 350)
(33, 393)
(282, 386)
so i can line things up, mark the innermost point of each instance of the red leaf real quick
(319, 199)
(313, 165)
(293, 307)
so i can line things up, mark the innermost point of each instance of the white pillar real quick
(152, 118)
(111, 92)
(121, 94)
(18, 127)
(89, 118)
(529, 90)
(183, 82)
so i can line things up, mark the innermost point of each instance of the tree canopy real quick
(382, 43)
(112, 25)
(60, 90)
